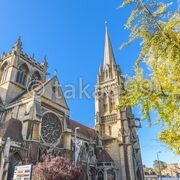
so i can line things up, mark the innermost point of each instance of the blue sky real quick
(71, 34)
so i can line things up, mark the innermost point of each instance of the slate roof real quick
(103, 156)
(84, 130)
(13, 129)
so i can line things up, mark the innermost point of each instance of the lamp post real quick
(75, 143)
(159, 165)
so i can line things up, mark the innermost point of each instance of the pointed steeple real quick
(18, 46)
(108, 51)
(44, 64)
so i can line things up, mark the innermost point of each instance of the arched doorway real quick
(14, 160)
(100, 175)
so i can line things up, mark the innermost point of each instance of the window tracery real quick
(4, 70)
(22, 74)
(105, 101)
(36, 77)
(50, 128)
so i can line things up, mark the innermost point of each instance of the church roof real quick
(84, 130)
(26, 93)
(11, 128)
(41, 89)
(103, 156)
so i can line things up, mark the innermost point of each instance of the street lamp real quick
(75, 142)
(159, 164)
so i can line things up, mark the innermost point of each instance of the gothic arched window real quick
(4, 70)
(36, 77)
(105, 102)
(83, 153)
(112, 101)
(22, 74)
(100, 175)
(110, 130)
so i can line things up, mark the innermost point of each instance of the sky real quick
(70, 33)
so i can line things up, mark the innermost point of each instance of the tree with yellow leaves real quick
(159, 31)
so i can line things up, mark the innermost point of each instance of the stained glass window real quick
(50, 128)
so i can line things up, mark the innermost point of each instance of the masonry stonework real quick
(34, 119)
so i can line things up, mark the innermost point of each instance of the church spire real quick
(108, 52)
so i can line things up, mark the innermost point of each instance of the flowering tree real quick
(55, 168)
(156, 83)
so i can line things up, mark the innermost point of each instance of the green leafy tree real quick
(159, 166)
(156, 83)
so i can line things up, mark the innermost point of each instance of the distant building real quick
(36, 119)
(149, 174)
(172, 170)
(150, 177)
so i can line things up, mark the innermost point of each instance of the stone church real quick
(34, 119)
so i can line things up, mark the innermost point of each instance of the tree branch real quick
(147, 11)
